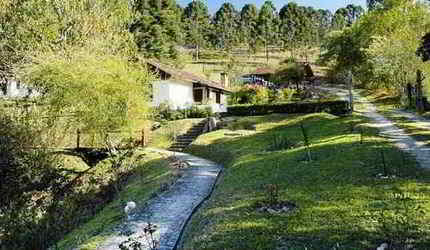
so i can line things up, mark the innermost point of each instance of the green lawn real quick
(341, 203)
(386, 102)
(149, 175)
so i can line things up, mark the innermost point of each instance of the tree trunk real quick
(409, 93)
(419, 87)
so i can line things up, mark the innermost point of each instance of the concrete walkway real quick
(171, 210)
(386, 127)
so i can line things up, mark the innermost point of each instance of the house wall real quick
(175, 93)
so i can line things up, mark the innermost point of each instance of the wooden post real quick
(351, 98)
(420, 104)
(143, 142)
(78, 138)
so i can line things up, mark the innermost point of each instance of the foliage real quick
(156, 27)
(197, 24)
(248, 25)
(286, 94)
(293, 73)
(335, 107)
(226, 24)
(280, 142)
(33, 25)
(24, 175)
(267, 24)
(98, 92)
(381, 54)
(165, 113)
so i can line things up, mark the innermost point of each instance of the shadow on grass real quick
(334, 192)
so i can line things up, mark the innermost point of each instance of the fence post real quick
(351, 98)
(78, 138)
(143, 141)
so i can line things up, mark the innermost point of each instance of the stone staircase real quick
(186, 139)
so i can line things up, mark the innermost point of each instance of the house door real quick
(198, 95)
(218, 97)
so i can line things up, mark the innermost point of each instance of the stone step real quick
(184, 140)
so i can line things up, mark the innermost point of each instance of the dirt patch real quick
(281, 207)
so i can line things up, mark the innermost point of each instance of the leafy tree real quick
(267, 25)
(24, 173)
(197, 24)
(156, 26)
(381, 53)
(347, 16)
(373, 4)
(290, 16)
(248, 22)
(96, 92)
(32, 25)
(227, 26)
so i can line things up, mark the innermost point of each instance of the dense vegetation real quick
(381, 53)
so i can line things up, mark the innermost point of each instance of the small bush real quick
(165, 113)
(286, 94)
(280, 142)
(334, 107)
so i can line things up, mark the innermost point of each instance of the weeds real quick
(272, 194)
(280, 142)
(398, 220)
(144, 241)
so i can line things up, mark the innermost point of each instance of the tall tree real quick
(197, 24)
(156, 27)
(226, 22)
(373, 4)
(347, 16)
(248, 23)
(267, 25)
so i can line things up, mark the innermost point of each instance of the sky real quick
(332, 5)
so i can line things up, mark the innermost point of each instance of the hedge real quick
(333, 107)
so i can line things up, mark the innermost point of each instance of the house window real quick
(218, 97)
(198, 95)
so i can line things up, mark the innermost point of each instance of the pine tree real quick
(156, 26)
(267, 25)
(248, 24)
(197, 24)
(226, 24)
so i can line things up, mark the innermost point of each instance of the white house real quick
(180, 89)
(14, 89)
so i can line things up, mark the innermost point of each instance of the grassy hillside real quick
(342, 200)
(149, 175)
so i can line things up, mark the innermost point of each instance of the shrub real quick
(24, 175)
(252, 94)
(286, 94)
(334, 107)
(165, 113)
(261, 95)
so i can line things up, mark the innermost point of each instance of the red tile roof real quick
(263, 71)
(186, 76)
